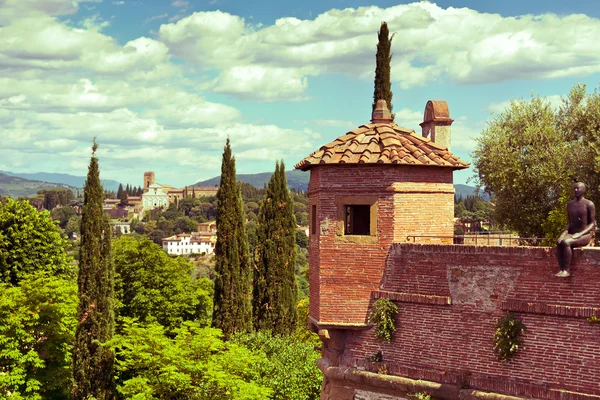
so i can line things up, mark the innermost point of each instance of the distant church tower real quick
(148, 179)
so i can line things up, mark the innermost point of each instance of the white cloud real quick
(180, 3)
(130, 141)
(262, 83)
(555, 101)
(11, 10)
(431, 43)
(46, 46)
(155, 17)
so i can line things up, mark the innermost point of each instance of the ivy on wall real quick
(508, 337)
(383, 315)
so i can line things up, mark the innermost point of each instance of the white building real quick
(190, 243)
(124, 227)
(154, 198)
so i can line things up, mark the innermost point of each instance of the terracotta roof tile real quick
(385, 143)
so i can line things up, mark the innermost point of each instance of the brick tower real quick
(370, 188)
(148, 179)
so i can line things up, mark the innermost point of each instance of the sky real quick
(161, 84)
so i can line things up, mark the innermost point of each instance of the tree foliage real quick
(153, 287)
(92, 359)
(383, 83)
(275, 293)
(55, 197)
(232, 307)
(383, 315)
(195, 364)
(37, 325)
(30, 242)
(529, 155)
(289, 367)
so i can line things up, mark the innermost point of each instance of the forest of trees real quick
(152, 315)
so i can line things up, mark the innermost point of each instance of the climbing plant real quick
(383, 315)
(508, 337)
(593, 319)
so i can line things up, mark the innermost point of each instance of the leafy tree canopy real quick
(195, 364)
(289, 368)
(153, 287)
(529, 155)
(30, 242)
(37, 326)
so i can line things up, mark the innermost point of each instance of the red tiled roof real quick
(382, 143)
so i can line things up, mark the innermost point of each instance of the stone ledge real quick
(549, 309)
(338, 325)
(352, 378)
(413, 298)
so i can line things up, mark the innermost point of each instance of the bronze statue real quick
(582, 220)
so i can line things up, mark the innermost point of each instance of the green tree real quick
(62, 215)
(153, 287)
(37, 327)
(92, 359)
(185, 224)
(275, 293)
(195, 364)
(30, 242)
(523, 161)
(232, 307)
(383, 84)
(301, 239)
(120, 191)
(289, 367)
(73, 226)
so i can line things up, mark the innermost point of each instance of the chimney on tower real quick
(437, 123)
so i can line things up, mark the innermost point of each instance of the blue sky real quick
(163, 83)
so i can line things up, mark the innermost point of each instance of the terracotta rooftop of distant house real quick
(384, 142)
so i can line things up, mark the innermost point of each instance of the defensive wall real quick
(450, 298)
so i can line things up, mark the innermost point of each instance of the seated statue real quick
(582, 220)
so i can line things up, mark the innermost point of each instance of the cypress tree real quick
(275, 294)
(120, 191)
(232, 306)
(93, 370)
(383, 84)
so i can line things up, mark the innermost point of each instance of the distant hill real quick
(15, 186)
(299, 180)
(71, 180)
(295, 179)
(464, 191)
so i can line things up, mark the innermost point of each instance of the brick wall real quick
(450, 298)
(409, 201)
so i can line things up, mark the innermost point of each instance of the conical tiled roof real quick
(382, 143)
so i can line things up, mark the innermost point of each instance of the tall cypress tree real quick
(93, 370)
(275, 294)
(120, 191)
(232, 307)
(383, 84)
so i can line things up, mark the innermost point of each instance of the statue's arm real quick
(566, 231)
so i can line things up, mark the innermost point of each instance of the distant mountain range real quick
(66, 179)
(14, 186)
(295, 179)
(299, 180)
